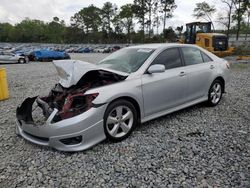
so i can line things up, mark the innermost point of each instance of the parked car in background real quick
(47, 55)
(93, 102)
(99, 49)
(79, 50)
(70, 50)
(85, 50)
(8, 57)
(107, 49)
(115, 48)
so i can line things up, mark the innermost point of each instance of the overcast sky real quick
(13, 11)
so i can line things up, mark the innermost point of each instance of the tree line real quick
(112, 24)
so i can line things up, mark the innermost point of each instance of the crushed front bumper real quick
(84, 130)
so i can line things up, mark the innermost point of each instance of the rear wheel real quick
(119, 120)
(22, 61)
(215, 93)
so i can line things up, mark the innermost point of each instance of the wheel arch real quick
(220, 78)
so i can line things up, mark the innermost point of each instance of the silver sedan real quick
(8, 57)
(108, 100)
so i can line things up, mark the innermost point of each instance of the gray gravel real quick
(195, 147)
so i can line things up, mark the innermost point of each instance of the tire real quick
(215, 93)
(21, 61)
(44, 59)
(118, 127)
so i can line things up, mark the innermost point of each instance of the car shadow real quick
(10, 63)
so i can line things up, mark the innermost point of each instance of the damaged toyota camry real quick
(92, 102)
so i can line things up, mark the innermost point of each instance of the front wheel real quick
(215, 93)
(22, 61)
(119, 120)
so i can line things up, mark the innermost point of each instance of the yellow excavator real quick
(200, 33)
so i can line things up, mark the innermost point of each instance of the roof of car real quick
(159, 45)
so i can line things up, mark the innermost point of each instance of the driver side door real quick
(166, 90)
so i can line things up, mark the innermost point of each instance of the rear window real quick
(192, 55)
(205, 57)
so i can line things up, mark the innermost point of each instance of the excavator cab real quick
(196, 27)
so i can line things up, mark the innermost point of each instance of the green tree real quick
(227, 19)
(169, 35)
(117, 24)
(205, 11)
(140, 9)
(151, 9)
(88, 19)
(29, 31)
(55, 31)
(240, 10)
(248, 20)
(6, 30)
(167, 8)
(73, 35)
(108, 12)
(157, 17)
(126, 16)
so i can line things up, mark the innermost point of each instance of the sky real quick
(14, 11)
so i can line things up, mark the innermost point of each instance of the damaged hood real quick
(71, 71)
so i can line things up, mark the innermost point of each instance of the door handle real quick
(211, 66)
(182, 73)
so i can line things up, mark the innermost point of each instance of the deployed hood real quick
(71, 71)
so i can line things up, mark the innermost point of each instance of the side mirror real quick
(157, 68)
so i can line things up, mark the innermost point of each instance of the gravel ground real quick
(195, 147)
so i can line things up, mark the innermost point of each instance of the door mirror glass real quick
(157, 68)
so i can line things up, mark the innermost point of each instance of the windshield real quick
(126, 60)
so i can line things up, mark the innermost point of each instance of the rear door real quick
(199, 68)
(162, 91)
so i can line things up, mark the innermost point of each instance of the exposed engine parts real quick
(72, 101)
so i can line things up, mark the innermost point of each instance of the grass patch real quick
(240, 66)
(243, 49)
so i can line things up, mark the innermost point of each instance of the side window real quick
(170, 58)
(192, 55)
(205, 57)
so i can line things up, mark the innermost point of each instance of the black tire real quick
(214, 97)
(44, 59)
(21, 60)
(110, 109)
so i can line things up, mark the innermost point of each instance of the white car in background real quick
(8, 57)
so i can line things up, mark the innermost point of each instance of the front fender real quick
(127, 88)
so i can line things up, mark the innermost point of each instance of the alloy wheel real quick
(119, 121)
(216, 93)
